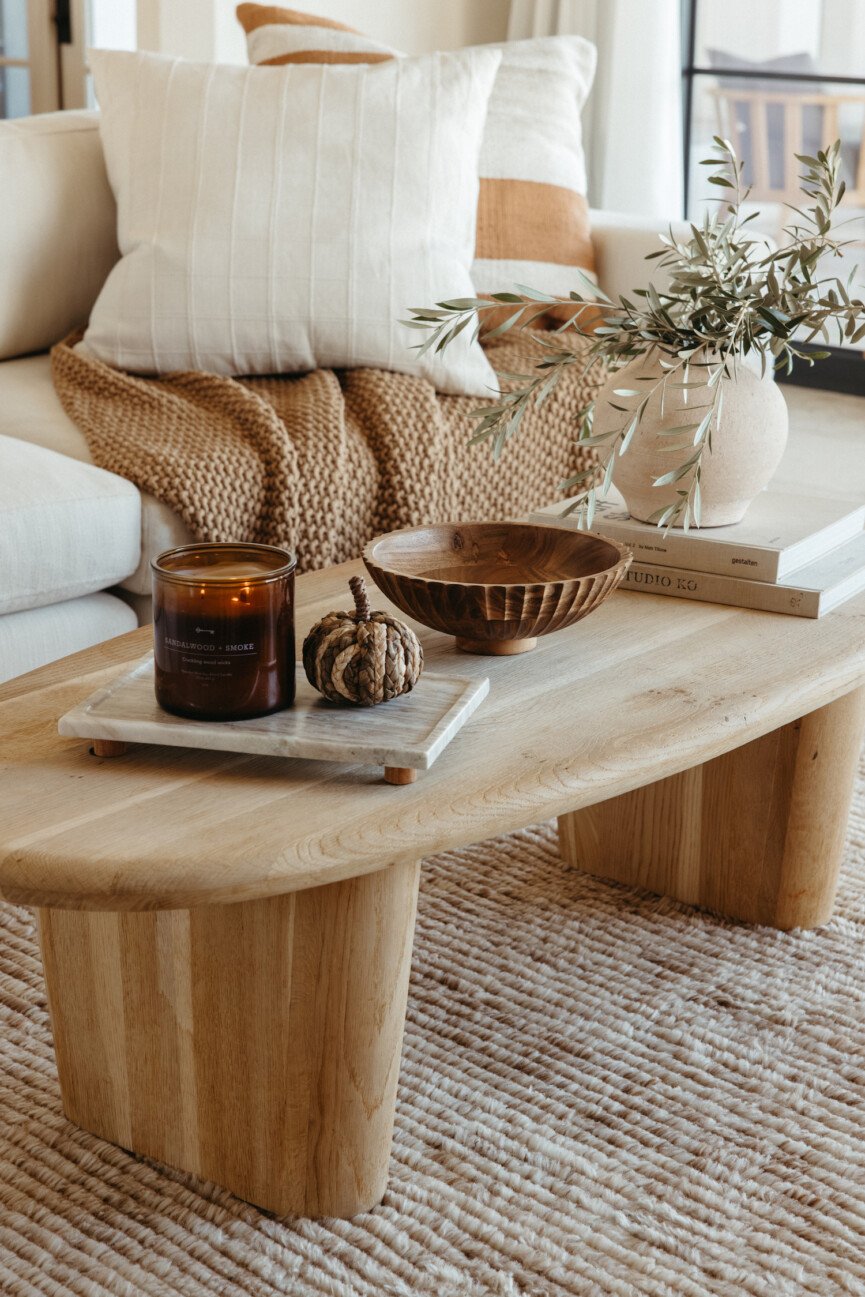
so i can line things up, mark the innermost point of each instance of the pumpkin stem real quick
(361, 602)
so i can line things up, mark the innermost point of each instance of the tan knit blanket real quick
(319, 462)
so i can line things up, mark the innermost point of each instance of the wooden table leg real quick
(255, 1044)
(757, 834)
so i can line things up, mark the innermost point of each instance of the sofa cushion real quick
(30, 411)
(57, 227)
(35, 636)
(66, 528)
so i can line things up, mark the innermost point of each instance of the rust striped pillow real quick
(533, 218)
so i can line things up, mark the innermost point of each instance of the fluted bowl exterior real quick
(530, 580)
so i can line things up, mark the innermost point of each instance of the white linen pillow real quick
(274, 220)
(533, 218)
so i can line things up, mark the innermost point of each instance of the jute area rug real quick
(602, 1092)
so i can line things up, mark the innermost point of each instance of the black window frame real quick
(843, 371)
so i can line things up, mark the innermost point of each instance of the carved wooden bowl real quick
(496, 586)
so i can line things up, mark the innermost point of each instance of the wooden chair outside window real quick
(769, 127)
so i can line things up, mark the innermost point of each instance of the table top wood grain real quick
(643, 688)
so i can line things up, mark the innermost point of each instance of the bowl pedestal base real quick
(496, 647)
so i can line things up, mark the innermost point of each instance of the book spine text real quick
(711, 588)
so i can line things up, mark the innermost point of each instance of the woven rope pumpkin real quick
(362, 657)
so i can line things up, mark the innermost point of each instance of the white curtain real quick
(632, 122)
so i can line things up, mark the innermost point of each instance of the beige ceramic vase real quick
(746, 449)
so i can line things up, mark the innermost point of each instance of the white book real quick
(811, 591)
(779, 533)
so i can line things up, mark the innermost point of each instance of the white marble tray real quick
(404, 735)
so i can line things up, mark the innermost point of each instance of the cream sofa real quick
(57, 244)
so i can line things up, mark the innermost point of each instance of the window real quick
(42, 50)
(28, 59)
(778, 78)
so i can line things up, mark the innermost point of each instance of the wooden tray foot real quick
(399, 775)
(108, 747)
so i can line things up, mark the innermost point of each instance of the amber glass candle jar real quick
(223, 630)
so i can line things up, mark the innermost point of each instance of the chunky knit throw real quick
(319, 462)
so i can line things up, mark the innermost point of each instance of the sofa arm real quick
(622, 244)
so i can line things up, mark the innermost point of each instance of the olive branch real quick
(727, 296)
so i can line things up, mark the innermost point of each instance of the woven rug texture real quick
(602, 1093)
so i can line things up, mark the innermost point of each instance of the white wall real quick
(208, 29)
(191, 29)
(112, 24)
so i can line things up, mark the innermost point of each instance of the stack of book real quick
(790, 553)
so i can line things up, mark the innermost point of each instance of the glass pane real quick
(799, 37)
(767, 129)
(13, 29)
(766, 84)
(769, 126)
(14, 92)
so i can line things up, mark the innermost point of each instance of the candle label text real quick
(246, 647)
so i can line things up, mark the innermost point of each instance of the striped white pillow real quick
(274, 220)
(533, 218)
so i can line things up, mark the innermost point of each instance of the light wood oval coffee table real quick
(227, 939)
